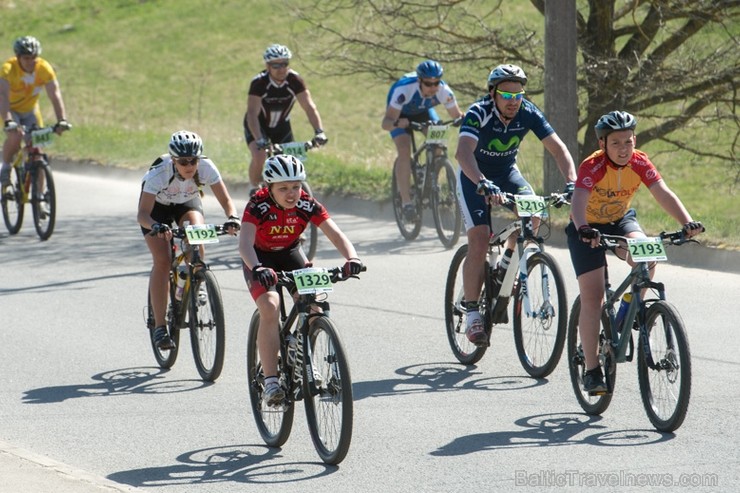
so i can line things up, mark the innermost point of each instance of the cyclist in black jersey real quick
(272, 94)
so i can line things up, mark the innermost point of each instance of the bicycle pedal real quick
(596, 393)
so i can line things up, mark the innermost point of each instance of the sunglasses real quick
(186, 161)
(511, 95)
(431, 84)
(278, 65)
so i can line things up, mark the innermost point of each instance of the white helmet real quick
(186, 144)
(506, 72)
(277, 52)
(283, 167)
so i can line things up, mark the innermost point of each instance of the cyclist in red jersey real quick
(272, 94)
(272, 223)
(607, 181)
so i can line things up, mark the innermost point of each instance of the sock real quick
(271, 381)
(504, 263)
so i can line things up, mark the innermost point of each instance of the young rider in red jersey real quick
(272, 223)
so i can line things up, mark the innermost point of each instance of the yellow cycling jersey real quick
(26, 88)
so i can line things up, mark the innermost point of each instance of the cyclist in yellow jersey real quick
(22, 78)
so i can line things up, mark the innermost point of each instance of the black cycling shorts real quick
(172, 213)
(279, 134)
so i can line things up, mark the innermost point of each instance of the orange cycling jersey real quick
(25, 88)
(613, 187)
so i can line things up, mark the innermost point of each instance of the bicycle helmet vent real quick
(185, 144)
(506, 72)
(27, 45)
(283, 167)
(277, 52)
(613, 121)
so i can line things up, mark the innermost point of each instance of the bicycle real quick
(199, 307)
(319, 376)
(534, 280)
(310, 236)
(433, 185)
(31, 181)
(663, 356)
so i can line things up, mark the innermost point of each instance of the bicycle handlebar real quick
(179, 233)
(419, 126)
(274, 148)
(612, 242)
(554, 199)
(285, 277)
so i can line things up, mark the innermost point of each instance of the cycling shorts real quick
(279, 134)
(473, 205)
(422, 117)
(289, 259)
(168, 214)
(584, 258)
(28, 119)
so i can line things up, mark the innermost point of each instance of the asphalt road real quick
(81, 387)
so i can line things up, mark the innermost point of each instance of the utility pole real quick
(561, 97)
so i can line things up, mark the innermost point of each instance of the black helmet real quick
(613, 121)
(27, 45)
(185, 144)
(506, 72)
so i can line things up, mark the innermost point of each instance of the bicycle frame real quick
(424, 167)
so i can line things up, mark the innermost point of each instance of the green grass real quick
(134, 71)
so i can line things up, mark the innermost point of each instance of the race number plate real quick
(530, 206)
(647, 249)
(312, 280)
(43, 137)
(437, 134)
(201, 233)
(297, 149)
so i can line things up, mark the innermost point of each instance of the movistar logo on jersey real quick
(472, 123)
(501, 147)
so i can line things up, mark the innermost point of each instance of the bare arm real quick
(563, 159)
(223, 197)
(578, 206)
(246, 245)
(306, 102)
(254, 106)
(455, 112)
(55, 96)
(5, 100)
(391, 119)
(465, 156)
(670, 202)
(338, 239)
(146, 205)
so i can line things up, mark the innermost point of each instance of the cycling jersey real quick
(612, 187)
(498, 143)
(25, 88)
(405, 95)
(277, 98)
(278, 228)
(163, 181)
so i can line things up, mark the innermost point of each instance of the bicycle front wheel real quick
(43, 200)
(455, 315)
(539, 335)
(409, 227)
(274, 423)
(207, 331)
(595, 404)
(665, 377)
(310, 237)
(328, 392)
(447, 217)
(12, 202)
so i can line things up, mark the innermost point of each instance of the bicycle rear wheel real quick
(539, 336)
(273, 423)
(328, 401)
(310, 237)
(12, 202)
(165, 357)
(447, 217)
(665, 383)
(596, 404)
(455, 315)
(409, 228)
(43, 200)
(207, 331)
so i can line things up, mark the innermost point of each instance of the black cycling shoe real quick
(593, 382)
(162, 339)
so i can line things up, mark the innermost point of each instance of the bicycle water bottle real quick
(181, 277)
(624, 305)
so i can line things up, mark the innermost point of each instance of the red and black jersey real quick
(277, 98)
(278, 228)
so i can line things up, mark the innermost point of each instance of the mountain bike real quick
(534, 280)
(433, 185)
(198, 307)
(310, 237)
(663, 356)
(312, 365)
(31, 181)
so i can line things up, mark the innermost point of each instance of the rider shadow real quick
(439, 377)
(249, 464)
(125, 381)
(547, 430)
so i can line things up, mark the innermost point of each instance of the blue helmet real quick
(429, 69)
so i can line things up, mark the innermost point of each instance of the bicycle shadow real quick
(440, 377)
(547, 430)
(249, 464)
(124, 381)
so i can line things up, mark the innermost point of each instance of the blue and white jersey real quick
(405, 95)
(498, 143)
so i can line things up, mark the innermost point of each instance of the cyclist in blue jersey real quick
(490, 136)
(413, 98)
